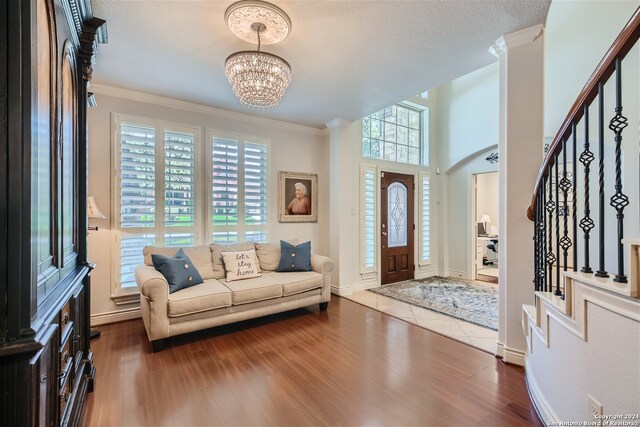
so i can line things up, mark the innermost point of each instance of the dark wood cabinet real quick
(47, 50)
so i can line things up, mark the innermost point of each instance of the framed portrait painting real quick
(297, 197)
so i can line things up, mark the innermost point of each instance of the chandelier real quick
(259, 79)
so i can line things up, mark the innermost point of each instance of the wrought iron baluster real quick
(574, 213)
(543, 233)
(565, 186)
(551, 206)
(535, 249)
(619, 200)
(557, 189)
(601, 272)
(586, 223)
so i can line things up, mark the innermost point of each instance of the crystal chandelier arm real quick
(258, 39)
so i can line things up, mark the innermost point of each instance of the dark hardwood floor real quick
(348, 366)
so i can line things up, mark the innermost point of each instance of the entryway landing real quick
(468, 333)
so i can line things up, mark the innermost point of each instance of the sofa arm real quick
(151, 283)
(323, 265)
(154, 301)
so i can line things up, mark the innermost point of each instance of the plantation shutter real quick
(179, 188)
(255, 191)
(224, 190)
(369, 218)
(425, 203)
(137, 196)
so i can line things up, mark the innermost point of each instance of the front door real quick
(397, 227)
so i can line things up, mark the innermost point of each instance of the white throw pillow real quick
(241, 264)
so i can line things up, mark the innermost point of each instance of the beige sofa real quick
(216, 301)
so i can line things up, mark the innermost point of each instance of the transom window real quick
(395, 134)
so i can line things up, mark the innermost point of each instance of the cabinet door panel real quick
(43, 150)
(68, 174)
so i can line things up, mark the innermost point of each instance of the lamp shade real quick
(485, 218)
(92, 209)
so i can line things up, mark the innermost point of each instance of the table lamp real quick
(93, 212)
(485, 220)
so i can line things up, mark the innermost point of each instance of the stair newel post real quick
(557, 240)
(586, 223)
(601, 272)
(574, 190)
(619, 200)
(551, 206)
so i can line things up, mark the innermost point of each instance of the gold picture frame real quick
(297, 197)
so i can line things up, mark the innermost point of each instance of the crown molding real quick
(336, 123)
(517, 38)
(162, 101)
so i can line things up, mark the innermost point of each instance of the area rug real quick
(465, 301)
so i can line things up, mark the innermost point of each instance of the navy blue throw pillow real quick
(294, 258)
(178, 270)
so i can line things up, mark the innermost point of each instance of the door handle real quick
(384, 233)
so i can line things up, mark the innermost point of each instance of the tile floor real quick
(465, 332)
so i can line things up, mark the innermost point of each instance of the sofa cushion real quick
(209, 295)
(178, 270)
(269, 254)
(298, 281)
(295, 257)
(255, 289)
(241, 265)
(216, 249)
(199, 255)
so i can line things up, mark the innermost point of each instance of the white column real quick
(520, 152)
(341, 202)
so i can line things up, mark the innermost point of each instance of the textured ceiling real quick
(349, 58)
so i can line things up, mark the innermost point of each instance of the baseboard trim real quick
(458, 274)
(500, 350)
(115, 316)
(544, 411)
(342, 290)
(514, 357)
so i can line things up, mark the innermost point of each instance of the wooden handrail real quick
(619, 49)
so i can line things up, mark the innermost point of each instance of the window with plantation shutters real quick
(238, 190)
(425, 232)
(172, 190)
(156, 190)
(368, 219)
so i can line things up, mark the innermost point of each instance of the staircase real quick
(583, 331)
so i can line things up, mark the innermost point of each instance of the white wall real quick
(467, 117)
(577, 35)
(487, 199)
(468, 108)
(293, 148)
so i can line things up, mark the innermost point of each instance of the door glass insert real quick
(397, 215)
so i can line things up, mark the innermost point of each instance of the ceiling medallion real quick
(259, 79)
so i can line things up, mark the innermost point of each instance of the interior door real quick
(397, 226)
